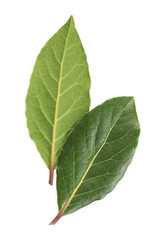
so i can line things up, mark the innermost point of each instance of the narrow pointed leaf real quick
(96, 154)
(58, 95)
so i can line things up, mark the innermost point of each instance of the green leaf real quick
(96, 154)
(58, 95)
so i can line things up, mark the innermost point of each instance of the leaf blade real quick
(115, 134)
(58, 95)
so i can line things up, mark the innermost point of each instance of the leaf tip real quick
(71, 20)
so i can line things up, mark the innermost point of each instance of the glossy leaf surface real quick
(58, 95)
(97, 154)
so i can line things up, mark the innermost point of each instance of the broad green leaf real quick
(96, 154)
(58, 95)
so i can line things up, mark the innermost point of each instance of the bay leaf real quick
(58, 95)
(96, 154)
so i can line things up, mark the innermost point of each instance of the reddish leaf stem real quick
(51, 175)
(59, 215)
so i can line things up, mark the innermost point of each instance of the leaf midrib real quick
(57, 101)
(89, 166)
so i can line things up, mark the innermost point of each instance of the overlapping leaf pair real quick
(90, 150)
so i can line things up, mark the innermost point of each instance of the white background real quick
(122, 41)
